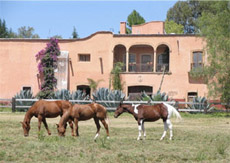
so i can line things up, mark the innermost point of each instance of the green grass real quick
(199, 139)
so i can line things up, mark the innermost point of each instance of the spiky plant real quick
(24, 94)
(104, 94)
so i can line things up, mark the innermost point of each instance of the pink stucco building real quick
(145, 54)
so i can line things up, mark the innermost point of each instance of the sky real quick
(49, 18)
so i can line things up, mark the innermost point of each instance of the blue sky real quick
(50, 18)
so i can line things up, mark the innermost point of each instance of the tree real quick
(74, 34)
(187, 13)
(27, 32)
(172, 27)
(134, 19)
(116, 80)
(47, 64)
(93, 84)
(57, 36)
(3, 29)
(214, 25)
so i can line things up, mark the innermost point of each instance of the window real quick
(146, 63)
(132, 63)
(197, 60)
(26, 88)
(84, 57)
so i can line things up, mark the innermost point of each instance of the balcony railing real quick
(196, 65)
(162, 67)
(140, 67)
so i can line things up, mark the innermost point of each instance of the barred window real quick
(84, 57)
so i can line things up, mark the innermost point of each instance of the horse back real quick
(48, 109)
(152, 112)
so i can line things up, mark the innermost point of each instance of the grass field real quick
(197, 138)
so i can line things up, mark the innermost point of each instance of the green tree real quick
(57, 36)
(27, 32)
(187, 13)
(134, 19)
(116, 80)
(172, 27)
(93, 84)
(214, 25)
(3, 29)
(74, 34)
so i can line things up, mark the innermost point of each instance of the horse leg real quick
(170, 128)
(139, 128)
(98, 128)
(39, 123)
(46, 126)
(143, 129)
(165, 130)
(106, 127)
(71, 126)
(76, 126)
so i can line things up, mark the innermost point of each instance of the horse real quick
(149, 113)
(82, 113)
(45, 109)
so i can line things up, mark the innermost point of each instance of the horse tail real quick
(172, 111)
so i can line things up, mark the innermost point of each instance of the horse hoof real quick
(108, 137)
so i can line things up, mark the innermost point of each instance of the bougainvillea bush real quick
(47, 63)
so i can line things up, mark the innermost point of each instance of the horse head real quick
(26, 128)
(61, 130)
(120, 109)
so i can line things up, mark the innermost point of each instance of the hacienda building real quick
(147, 53)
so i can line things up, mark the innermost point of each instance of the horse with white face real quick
(150, 113)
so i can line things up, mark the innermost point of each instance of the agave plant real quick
(63, 94)
(201, 103)
(104, 94)
(154, 97)
(79, 95)
(24, 94)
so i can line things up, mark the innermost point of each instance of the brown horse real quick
(84, 112)
(45, 109)
(150, 113)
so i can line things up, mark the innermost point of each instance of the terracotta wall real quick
(18, 66)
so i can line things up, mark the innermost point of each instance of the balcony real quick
(141, 67)
(161, 67)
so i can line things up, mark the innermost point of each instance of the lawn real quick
(197, 138)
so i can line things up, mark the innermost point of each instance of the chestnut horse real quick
(45, 109)
(150, 113)
(84, 112)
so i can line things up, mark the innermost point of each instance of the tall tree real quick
(27, 32)
(214, 25)
(134, 19)
(3, 29)
(172, 27)
(74, 34)
(187, 13)
(116, 79)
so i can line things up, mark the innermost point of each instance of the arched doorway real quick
(119, 55)
(162, 58)
(141, 58)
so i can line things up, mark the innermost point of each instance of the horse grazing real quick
(149, 113)
(45, 109)
(84, 112)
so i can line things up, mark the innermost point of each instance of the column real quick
(127, 61)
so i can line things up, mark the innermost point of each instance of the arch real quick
(162, 58)
(141, 58)
(119, 55)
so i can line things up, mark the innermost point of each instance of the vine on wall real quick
(47, 64)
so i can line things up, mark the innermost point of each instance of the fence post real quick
(13, 104)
